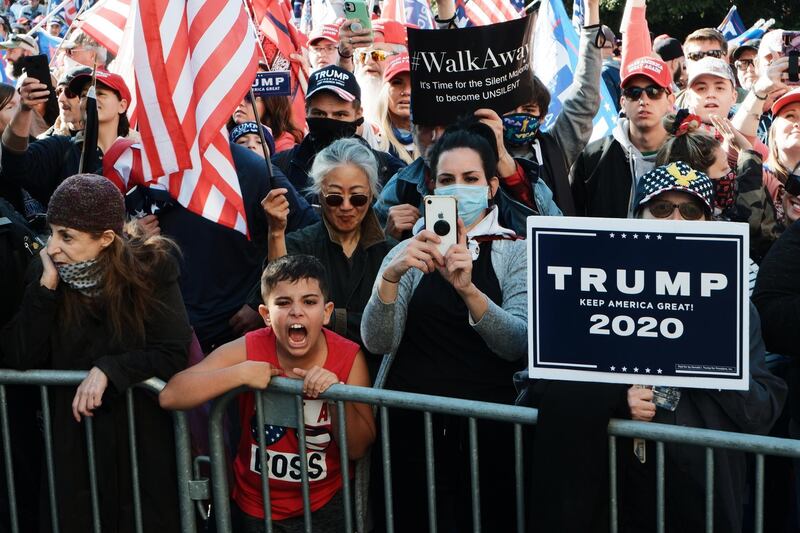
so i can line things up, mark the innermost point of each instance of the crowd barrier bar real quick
(69, 378)
(282, 404)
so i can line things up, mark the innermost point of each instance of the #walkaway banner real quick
(454, 72)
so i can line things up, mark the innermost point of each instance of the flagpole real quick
(264, 146)
(71, 26)
(91, 94)
(47, 17)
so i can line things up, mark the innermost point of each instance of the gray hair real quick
(347, 151)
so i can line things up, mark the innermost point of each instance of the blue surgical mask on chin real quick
(473, 200)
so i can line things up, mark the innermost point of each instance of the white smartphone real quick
(441, 217)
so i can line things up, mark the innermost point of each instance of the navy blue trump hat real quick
(337, 80)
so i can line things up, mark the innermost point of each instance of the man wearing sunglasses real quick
(605, 175)
(333, 111)
(369, 58)
(80, 49)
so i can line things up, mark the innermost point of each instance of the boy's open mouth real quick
(297, 334)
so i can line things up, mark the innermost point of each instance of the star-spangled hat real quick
(677, 176)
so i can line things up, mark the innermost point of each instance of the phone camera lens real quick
(441, 228)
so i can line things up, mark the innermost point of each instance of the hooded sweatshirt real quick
(639, 163)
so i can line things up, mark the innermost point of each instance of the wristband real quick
(759, 97)
(344, 56)
(389, 280)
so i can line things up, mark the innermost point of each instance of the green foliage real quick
(680, 17)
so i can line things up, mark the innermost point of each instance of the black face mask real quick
(323, 131)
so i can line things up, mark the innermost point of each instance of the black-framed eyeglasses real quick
(665, 208)
(653, 92)
(697, 56)
(744, 64)
(335, 199)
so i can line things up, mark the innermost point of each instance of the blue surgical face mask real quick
(473, 200)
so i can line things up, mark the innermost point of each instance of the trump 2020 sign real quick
(650, 302)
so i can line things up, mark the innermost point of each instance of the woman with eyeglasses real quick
(349, 240)
(677, 192)
(456, 323)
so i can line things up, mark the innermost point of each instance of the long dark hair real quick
(6, 94)
(469, 133)
(130, 266)
(278, 116)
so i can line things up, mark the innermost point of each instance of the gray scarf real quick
(85, 277)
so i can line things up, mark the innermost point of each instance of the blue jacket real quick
(408, 187)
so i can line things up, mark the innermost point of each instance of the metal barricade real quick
(291, 405)
(282, 404)
(52, 378)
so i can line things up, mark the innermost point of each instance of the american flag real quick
(194, 61)
(105, 22)
(416, 12)
(70, 11)
(484, 12)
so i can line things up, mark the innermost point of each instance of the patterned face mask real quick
(85, 277)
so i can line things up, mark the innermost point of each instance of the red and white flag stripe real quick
(485, 12)
(105, 22)
(194, 61)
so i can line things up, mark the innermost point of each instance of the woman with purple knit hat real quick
(105, 301)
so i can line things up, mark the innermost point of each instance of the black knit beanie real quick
(87, 202)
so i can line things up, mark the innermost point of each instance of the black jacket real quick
(219, 265)
(777, 297)
(296, 162)
(601, 180)
(37, 338)
(350, 280)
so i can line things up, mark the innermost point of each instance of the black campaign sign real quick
(455, 72)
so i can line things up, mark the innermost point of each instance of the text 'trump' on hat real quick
(336, 80)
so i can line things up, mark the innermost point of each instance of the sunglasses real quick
(653, 92)
(697, 56)
(744, 64)
(335, 199)
(376, 55)
(664, 209)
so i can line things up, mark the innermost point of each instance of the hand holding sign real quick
(473, 68)
(506, 166)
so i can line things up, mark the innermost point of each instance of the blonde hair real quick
(388, 138)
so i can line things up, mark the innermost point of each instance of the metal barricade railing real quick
(473, 411)
(52, 378)
(282, 404)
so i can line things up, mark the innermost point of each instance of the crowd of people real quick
(339, 274)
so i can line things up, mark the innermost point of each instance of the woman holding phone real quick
(456, 323)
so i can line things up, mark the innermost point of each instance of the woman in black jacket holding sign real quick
(108, 303)
(662, 194)
(572, 432)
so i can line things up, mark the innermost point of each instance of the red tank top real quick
(322, 451)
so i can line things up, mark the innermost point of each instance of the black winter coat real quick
(602, 185)
(38, 338)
